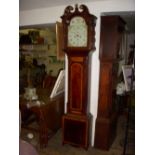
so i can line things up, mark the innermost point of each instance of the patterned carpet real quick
(55, 146)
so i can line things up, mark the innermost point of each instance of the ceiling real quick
(36, 4)
(129, 17)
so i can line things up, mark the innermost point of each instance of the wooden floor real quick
(55, 146)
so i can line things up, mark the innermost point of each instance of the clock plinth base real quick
(76, 130)
(105, 132)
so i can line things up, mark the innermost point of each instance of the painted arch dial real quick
(77, 32)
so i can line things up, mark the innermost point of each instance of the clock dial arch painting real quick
(79, 29)
(77, 32)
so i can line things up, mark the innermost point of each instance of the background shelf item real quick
(37, 47)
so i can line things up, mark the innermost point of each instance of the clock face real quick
(77, 32)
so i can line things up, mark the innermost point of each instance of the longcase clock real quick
(112, 28)
(79, 40)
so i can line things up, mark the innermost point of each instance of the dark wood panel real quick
(76, 130)
(105, 131)
(76, 89)
(78, 81)
(110, 39)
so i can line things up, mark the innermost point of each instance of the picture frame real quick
(59, 84)
(128, 77)
(59, 42)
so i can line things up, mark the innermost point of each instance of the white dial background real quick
(77, 32)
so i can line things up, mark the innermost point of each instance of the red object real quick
(48, 81)
(40, 40)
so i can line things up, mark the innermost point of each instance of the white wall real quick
(51, 15)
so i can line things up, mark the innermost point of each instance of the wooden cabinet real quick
(112, 28)
(47, 116)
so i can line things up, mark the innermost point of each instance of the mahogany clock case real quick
(76, 123)
(112, 28)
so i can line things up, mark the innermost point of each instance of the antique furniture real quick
(112, 28)
(79, 39)
(48, 114)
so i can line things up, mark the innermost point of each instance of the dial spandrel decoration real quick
(77, 32)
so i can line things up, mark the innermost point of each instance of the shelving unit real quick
(34, 47)
(43, 50)
(37, 47)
